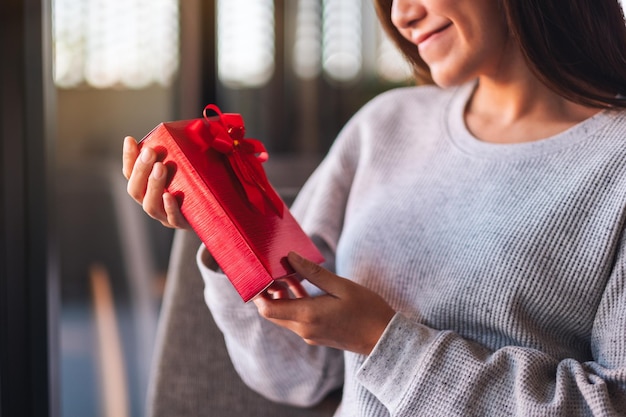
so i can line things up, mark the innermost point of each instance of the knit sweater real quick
(505, 264)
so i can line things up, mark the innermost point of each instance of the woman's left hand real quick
(348, 317)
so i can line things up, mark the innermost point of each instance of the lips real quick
(420, 38)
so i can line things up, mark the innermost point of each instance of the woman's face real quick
(458, 39)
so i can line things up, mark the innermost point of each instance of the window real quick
(245, 42)
(307, 48)
(115, 43)
(341, 42)
(332, 36)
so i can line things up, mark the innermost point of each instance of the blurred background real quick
(295, 69)
(82, 268)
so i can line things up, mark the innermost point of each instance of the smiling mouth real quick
(428, 35)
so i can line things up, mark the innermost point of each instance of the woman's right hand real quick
(146, 185)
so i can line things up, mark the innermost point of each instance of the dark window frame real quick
(28, 279)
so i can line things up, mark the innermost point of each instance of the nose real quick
(405, 13)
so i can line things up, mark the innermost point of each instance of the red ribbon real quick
(244, 155)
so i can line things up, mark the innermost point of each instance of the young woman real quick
(474, 228)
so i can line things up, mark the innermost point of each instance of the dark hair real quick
(576, 47)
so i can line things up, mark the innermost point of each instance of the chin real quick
(446, 79)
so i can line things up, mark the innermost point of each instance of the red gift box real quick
(217, 177)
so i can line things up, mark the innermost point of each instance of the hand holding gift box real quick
(216, 174)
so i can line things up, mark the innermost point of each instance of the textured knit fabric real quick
(505, 264)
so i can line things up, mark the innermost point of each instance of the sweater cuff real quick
(393, 364)
(219, 293)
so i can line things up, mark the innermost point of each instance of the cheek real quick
(473, 52)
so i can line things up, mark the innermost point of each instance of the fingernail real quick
(157, 171)
(295, 257)
(145, 156)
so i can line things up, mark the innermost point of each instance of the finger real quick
(129, 156)
(314, 273)
(172, 211)
(295, 286)
(265, 304)
(274, 306)
(153, 199)
(276, 291)
(142, 168)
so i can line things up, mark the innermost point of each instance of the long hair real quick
(575, 47)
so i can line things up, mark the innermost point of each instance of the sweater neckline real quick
(464, 140)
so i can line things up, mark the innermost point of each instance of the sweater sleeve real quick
(414, 367)
(272, 360)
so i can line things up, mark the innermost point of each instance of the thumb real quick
(314, 273)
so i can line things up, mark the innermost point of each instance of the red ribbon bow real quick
(244, 155)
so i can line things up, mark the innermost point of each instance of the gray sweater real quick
(505, 263)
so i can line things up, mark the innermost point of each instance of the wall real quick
(93, 123)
